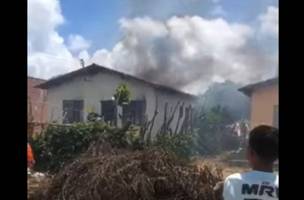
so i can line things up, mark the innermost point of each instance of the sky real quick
(186, 44)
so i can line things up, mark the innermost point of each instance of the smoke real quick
(226, 95)
(188, 52)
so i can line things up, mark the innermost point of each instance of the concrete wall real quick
(71, 90)
(101, 86)
(263, 101)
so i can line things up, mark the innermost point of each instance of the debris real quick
(149, 174)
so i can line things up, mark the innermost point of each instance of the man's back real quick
(254, 185)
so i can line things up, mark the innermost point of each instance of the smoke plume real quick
(188, 52)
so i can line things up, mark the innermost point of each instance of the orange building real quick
(264, 102)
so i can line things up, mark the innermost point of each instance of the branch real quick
(172, 117)
(180, 116)
(152, 121)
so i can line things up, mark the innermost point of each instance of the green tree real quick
(122, 94)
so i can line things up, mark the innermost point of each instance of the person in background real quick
(30, 157)
(261, 183)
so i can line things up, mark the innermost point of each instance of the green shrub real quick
(180, 144)
(59, 144)
(134, 138)
(92, 117)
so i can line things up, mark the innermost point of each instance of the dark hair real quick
(264, 141)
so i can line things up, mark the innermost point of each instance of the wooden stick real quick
(152, 121)
(180, 116)
(185, 123)
(171, 118)
(163, 127)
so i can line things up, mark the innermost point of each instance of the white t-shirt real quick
(254, 185)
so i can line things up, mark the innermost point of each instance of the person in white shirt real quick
(261, 183)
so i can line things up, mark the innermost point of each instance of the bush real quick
(134, 138)
(92, 117)
(60, 144)
(180, 144)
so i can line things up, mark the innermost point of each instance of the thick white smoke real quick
(187, 52)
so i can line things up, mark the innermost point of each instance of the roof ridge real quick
(248, 88)
(31, 77)
(93, 66)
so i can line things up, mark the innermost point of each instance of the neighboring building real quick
(37, 108)
(72, 96)
(264, 102)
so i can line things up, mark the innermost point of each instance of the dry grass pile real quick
(141, 175)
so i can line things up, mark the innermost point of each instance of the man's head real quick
(263, 146)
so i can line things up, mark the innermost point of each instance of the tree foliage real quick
(180, 144)
(122, 94)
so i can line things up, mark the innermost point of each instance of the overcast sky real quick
(186, 44)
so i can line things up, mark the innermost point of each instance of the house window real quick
(134, 112)
(72, 111)
(276, 116)
(109, 111)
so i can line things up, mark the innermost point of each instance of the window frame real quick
(112, 120)
(73, 113)
(134, 112)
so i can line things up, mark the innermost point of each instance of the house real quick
(36, 101)
(72, 96)
(264, 102)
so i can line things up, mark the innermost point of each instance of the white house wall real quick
(172, 100)
(101, 86)
(70, 90)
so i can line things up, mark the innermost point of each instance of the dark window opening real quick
(134, 112)
(72, 111)
(109, 111)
